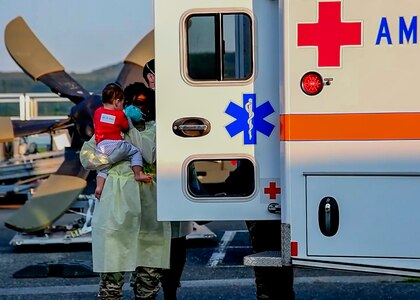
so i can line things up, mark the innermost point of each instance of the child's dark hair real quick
(111, 92)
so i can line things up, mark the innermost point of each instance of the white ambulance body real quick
(312, 105)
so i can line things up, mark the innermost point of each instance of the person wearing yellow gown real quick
(126, 235)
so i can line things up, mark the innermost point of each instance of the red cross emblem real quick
(272, 190)
(329, 34)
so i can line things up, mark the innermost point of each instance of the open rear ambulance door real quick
(217, 109)
(351, 134)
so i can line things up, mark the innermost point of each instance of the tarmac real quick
(227, 280)
(306, 288)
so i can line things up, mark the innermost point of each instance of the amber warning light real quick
(311, 83)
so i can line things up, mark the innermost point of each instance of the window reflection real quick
(219, 46)
(221, 178)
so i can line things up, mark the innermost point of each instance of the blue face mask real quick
(134, 113)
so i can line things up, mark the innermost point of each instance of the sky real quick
(83, 35)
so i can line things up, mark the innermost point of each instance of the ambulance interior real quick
(221, 178)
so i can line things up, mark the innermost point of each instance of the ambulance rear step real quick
(273, 258)
(264, 259)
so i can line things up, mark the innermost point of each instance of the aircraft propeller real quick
(56, 194)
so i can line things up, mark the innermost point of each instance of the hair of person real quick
(132, 91)
(112, 91)
(149, 68)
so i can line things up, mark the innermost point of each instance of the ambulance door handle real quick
(191, 127)
(328, 216)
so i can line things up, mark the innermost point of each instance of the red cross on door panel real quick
(272, 190)
(329, 34)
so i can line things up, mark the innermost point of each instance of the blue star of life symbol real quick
(249, 118)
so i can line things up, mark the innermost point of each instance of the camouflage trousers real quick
(145, 284)
(170, 279)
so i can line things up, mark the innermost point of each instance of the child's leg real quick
(136, 165)
(140, 176)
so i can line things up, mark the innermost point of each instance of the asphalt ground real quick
(210, 272)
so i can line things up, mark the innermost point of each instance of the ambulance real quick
(306, 111)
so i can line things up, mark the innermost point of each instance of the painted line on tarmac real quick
(93, 288)
(220, 252)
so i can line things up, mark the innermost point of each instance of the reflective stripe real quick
(354, 126)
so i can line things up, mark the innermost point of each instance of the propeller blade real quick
(53, 197)
(65, 86)
(7, 131)
(51, 200)
(25, 128)
(143, 51)
(129, 74)
(27, 51)
(71, 165)
(136, 59)
(34, 59)
(56, 194)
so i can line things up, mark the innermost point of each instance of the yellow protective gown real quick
(125, 230)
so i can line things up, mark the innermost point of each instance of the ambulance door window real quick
(202, 50)
(234, 178)
(219, 47)
(237, 60)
